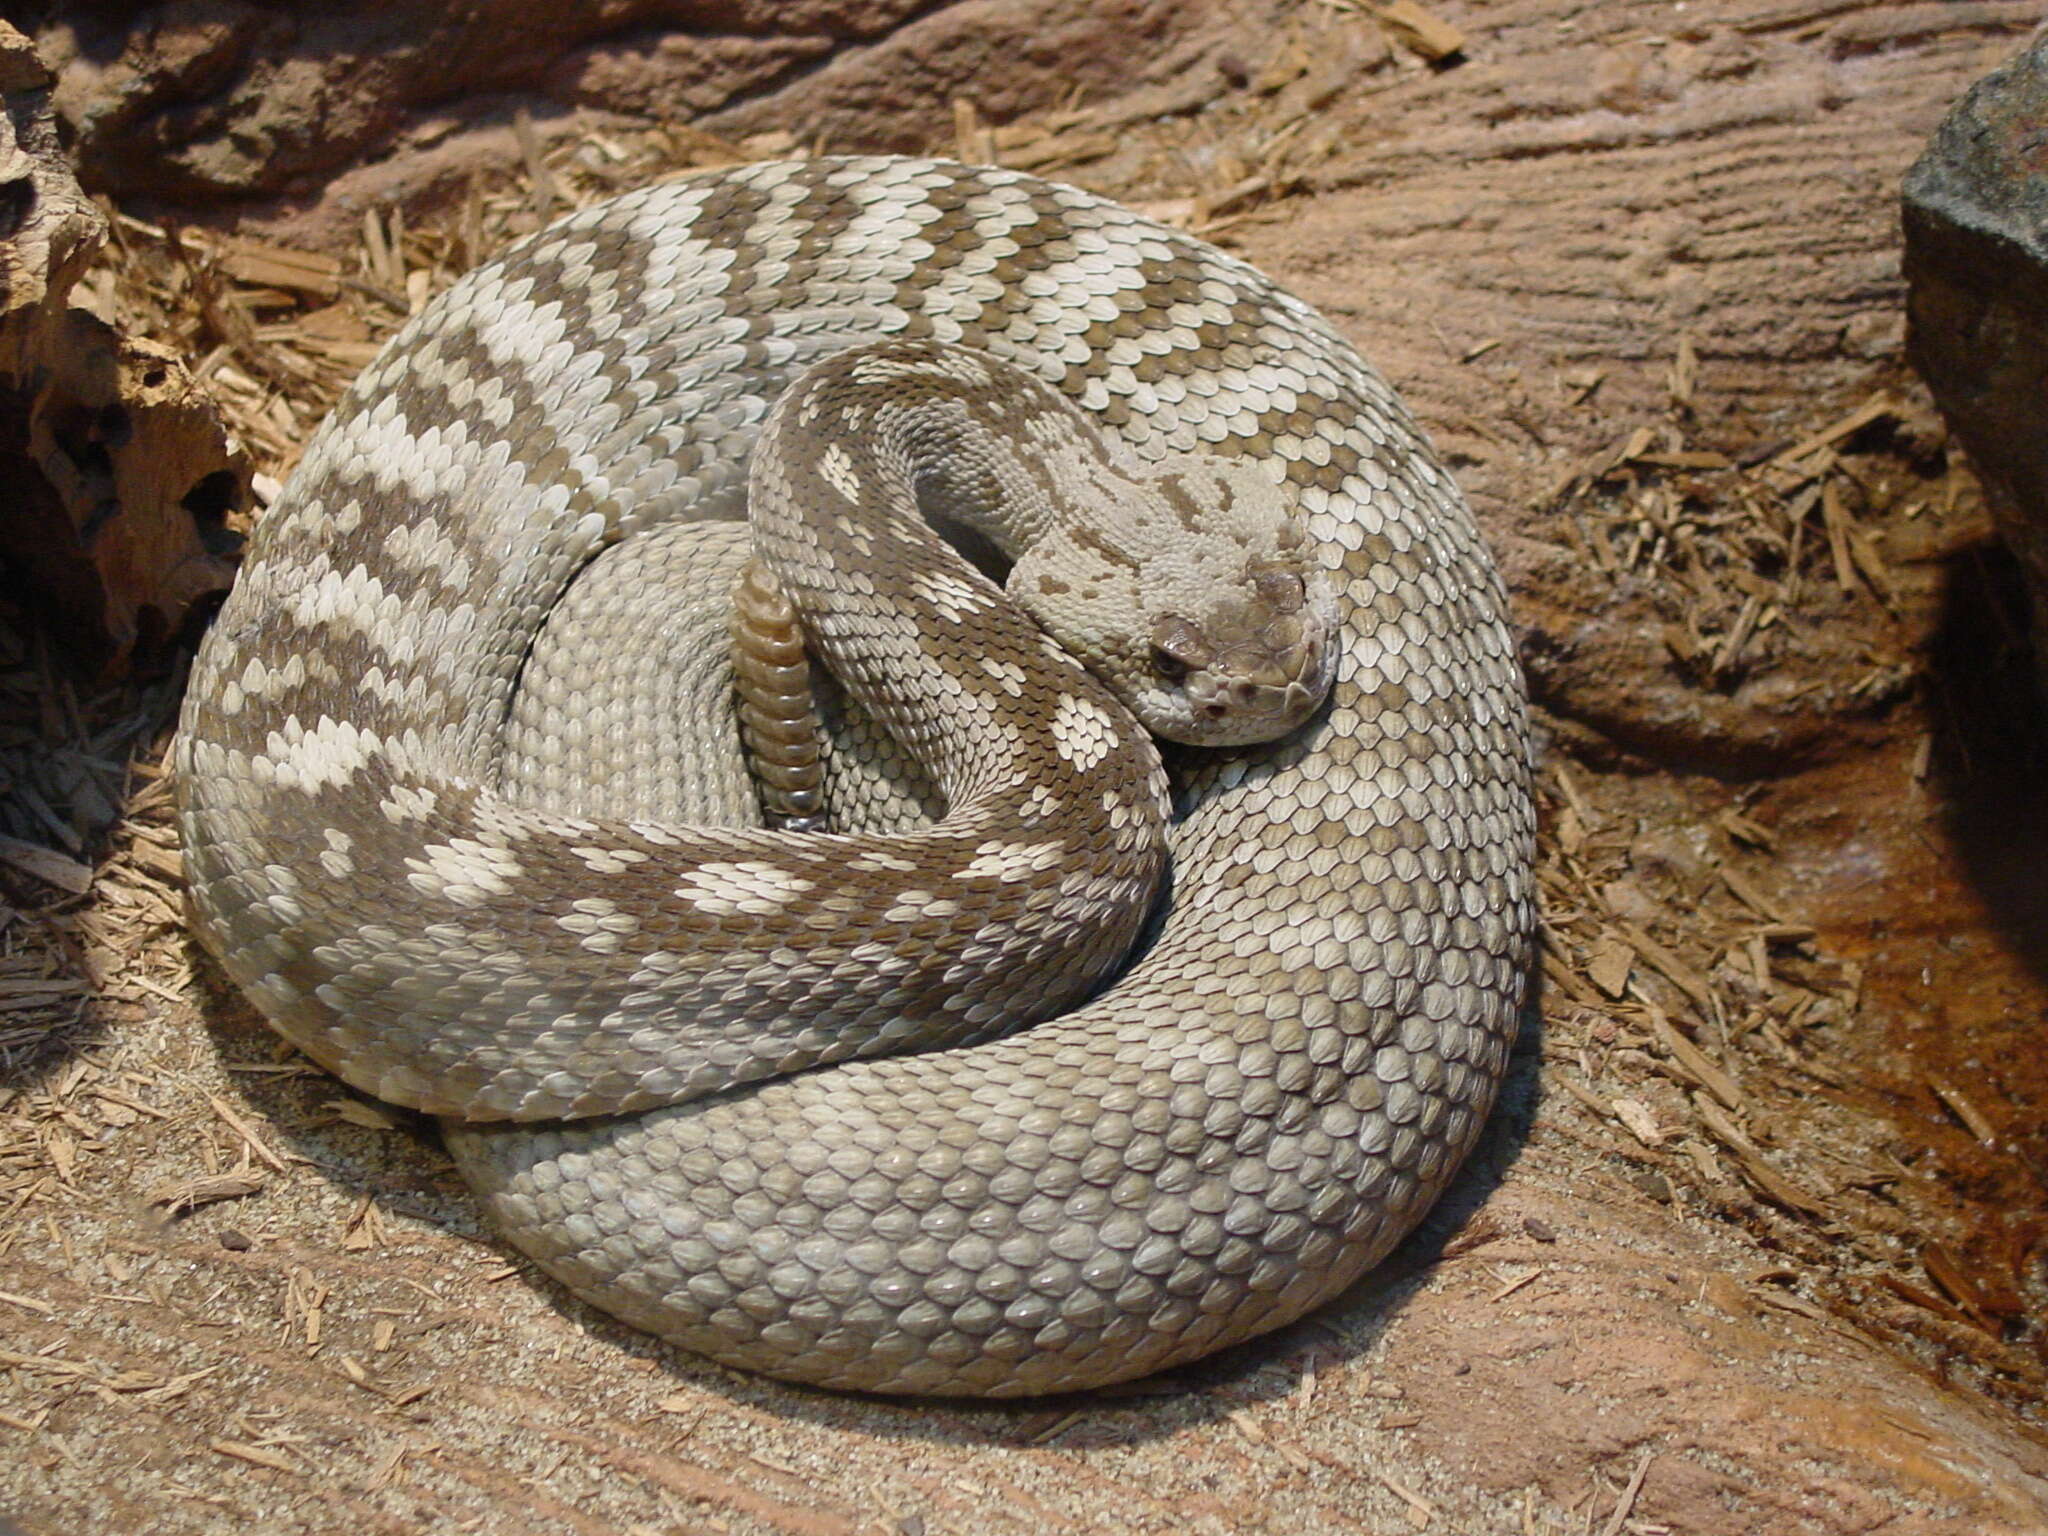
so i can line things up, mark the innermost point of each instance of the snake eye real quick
(1178, 648)
(1167, 667)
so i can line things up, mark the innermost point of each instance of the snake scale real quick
(393, 854)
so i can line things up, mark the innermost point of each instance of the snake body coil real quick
(1247, 1118)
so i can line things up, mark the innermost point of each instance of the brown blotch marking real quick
(1174, 489)
(724, 216)
(1089, 539)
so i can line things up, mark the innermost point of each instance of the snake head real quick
(1196, 596)
(1252, 668)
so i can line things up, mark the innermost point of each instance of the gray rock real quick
(1976, 226)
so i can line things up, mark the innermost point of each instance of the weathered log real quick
(119, 474)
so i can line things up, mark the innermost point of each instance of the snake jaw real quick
(1253, 671)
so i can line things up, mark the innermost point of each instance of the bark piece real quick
(118, 470)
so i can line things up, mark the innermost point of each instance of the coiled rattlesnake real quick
(1247, 1118)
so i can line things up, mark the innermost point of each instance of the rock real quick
(118, 470)
(1976, 222)
(258, 108)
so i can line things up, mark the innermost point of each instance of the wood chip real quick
(1568, 786)
(1176, 211)
(1054, 1425)
(1610, 964)
(1688, 458)
(1835, 519)
(1923, 758)
(1744, 830)
(1058, 150)
(247, 1132)
(1700, 1067)
(1420, 1510)
(1562, 976)
(1190, 93)
(1641, 1123)
(361, 1112)
(1671, 968)
(1875, 408)
(281, 266)
(376, 248)
(1729, 654)
(1685, 370)
(1754, 1164)
(1625, 1505)
(167, 863)
(255, 1455)
(973, 142)
(19, 994)
(1870, 565)
(1945, 1272)
(1587, 1097)
(1974, 1119)
(46, 865)
(1421, 32)
(1907, 1291)
(1639, 443)
(185, 1195)
(1746, 893)
(546, 191)
(365, 1229)
(1511, 1287)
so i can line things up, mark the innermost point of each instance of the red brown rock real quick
(229, 103)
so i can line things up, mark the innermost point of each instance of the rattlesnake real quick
(1253, 1113)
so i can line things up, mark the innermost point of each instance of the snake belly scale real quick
(1234, 1129)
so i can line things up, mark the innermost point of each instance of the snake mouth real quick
(1250, 699)
(1255, 675)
